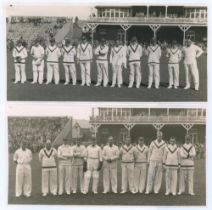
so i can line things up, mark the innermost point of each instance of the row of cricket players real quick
(84, 163)
(120, 56)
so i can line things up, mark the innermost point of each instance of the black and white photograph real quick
(141, 53)
(109, 156)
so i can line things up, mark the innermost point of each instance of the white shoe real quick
(169, 87)
(147, 193)
(28, 195)
(192, 194)
(68, 193)
(23, 82)
(95, 192)
(174, 194)
(186, 87)
(156, 87)
(130, 86)
(112, 86)
(137, 86)
(82, 84)
(66, 83)
(88, 85)
(74, 192)
(123, 192)
(115, 192)
(44, 194)
(179, 193)
(83, 192)
(175, 87)
(156, 192)
(149, 87)
(196, 88)
(97, 84)
(33, 82)
(15, 82)
(134, 192)
(167, 193)
(119, 86)
(47, 83)
(105, 192)
(54, 194)
(74, 84)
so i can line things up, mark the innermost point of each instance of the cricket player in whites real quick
(174, 56)
(69, 53)
(22, 158)
(154, 54)
(134, 54)
(187, 154)
(20, 55)
(77, 165)
(84, 58)
(118, 62)
(110, 156)
(93, 156)
(171, 163)
(155, 160)
(65, 154)
(141, 154)
(53, 54)
(102, 63)
(190, 54)
(37, 52)
(127, 153)
(47, 157)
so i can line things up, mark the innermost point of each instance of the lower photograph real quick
(108, 156)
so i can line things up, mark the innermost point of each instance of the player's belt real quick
(85, 60)
(173, 63)
(52, 61)
(187, 166)
(171, 165)
(19, 62)
(134, 61)
(127, 162)
(93, 158)
(44, 167)
(68, 62)
(99, 59)
(153, 62)
(141, 162)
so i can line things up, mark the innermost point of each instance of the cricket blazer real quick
(134, 53)
(156, 151)
(127, 154)
(84, 52)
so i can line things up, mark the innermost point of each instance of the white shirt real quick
(154, 54)
(93, 152)
(134, 53)
(171, 155)
(156, 150)
(65, 152)
(187, 154)
(141, 154)
(101, 52)
(23, 157)
(69, 54)
(110, 152)
(84, 52)
(127, 153)
(47, 157)
(78, 154)
(19, 52)
(53, 53)
(37, 52)
(174, 55)
(191, 53)
(118, 56)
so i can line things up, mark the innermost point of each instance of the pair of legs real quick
(70, 68)
(23, 180)
(102, 73)
(53, 71)
(77, 172)
(171, 181)
(38, 73)
(154, 73)
(135, 74)
(85, 67)
(49, 181)
(117, 75)
(20, 73)
(173, 75)
(140, 177)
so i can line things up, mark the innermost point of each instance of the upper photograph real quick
(128, 53)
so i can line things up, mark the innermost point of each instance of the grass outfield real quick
(29, 92)
(108, 199)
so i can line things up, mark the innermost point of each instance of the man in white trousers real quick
(22, 158)
(154, 54)
(187, 154)
(69, 53)
(101, 53)
(118, 62)
(65, 154)
(155, 160)
(37, 52)
(174, 56)
(85, 58)
(110, 155)
(127, 154)
(190, 54)
(20, 55)
(47, 157)
(93, 156)
(141, 154)
(77, 165)
(52, 61)
(171, 163)
(134, 54)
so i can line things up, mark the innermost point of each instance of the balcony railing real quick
(149, 119)
(167, 20)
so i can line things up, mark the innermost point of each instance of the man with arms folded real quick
(47, 157)
(141, 153)
(65, 154)
(110, 156)
(155, 160)
(22, 158)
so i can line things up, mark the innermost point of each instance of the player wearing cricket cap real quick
(187, 154)
(102, 63)
(69, 53)
(93, 156)
(37, 52)
(53, 54)
(19, 54)
(22, 158)
(190, 54)
(84, 58)
(134, 54)
(110, 156)
(47, 157)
